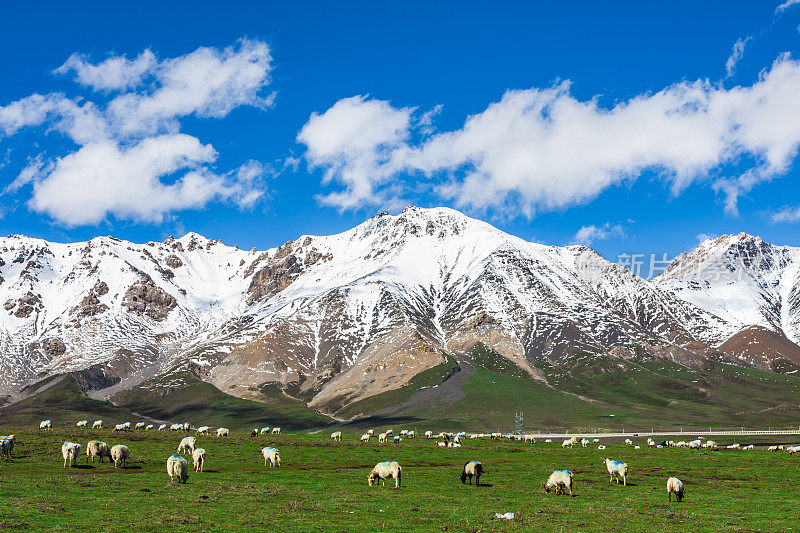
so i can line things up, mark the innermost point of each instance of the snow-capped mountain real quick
(744, 281)
(340, 317)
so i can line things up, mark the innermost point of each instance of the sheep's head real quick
(372, 477)
(546, 487)
(463, 476)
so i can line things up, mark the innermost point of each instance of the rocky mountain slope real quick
(336, 319)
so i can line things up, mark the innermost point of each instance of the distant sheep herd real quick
(560, 481)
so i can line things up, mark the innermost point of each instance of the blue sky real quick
(234, 165)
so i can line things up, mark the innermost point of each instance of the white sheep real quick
(472, 468)
(397, 439)
(595, 440)
(139, 425)
(651, 443)
(272, 455)
(569, 443)
(674, 486)
(695, 445)
(148, 427)
(365, 437)
(162, 427)
(628, 442)
(382, 438)
(46, 424)
(186, 427)
(411, 434)
(429, 434)
(187, 443)
(98, 424)
(385, 470)
(254, 433)
(735, 446)
(560, 480)
(276, 431)
(370, 432)
(70, 451)
(749, 447)
(120, 455)
(617, 468)
(637, 447)
(203, 430)
(584, 442)
(121, 427)
(441, 444)
(601, 447)
(336, 435)
(793, 449)
(82, 424)
(6, 446)
(390, 431)
(199, 459)
(177, 467)
(97, 448)
(711, 445)
(176, 427)
(453, 445)
(223, 432)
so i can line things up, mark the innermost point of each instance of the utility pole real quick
(518, 423)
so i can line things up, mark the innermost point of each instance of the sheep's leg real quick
(570, 490)
(625, 480)
(669, 496)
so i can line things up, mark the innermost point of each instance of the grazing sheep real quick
(382, 438)
(162, 427)
(336, 435)
(223, 432)
(750, 447)
(441, 444)
(793, 449)
(403, 432)
(695, 445)
(637, 447)
(46, 424)
(569, 443)
(148, 427)
(6, 446)
(384, 470)
(254, 433)
(595, 440)
(264, 430)
(187, 443)
(734, 446)
(472, 468)
(651, 443)
(97, 448)
(120, 455)
(176, 427)
(411, 434)
(177, 467)
(390, 431)
(429, 434)
(276, 431)
(186, 427)
(617, 468)
(711, 445)
(525, 438)
(397, 439)
(272, 455)
(9, 446)
(365, 437)
(203, 430)
(628, 442)
(120, 427)
(584, 442)
(70, 451)
(98, 424)
(139, 425)
(370, 432)
(560, 480)
(83, 424)
(453, 445)
(199, 458)
(674, 486)
(548, 440)
(601, 447)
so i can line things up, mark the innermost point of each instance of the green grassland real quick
(322, 485)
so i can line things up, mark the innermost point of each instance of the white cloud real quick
(354, 141)
(131, 161)
(785, 5)
(116, 72)
(705, 236)
(589, 234)
(544, 149)
(736, 55)
(787, 214)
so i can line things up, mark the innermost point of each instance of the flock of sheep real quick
(560, 481)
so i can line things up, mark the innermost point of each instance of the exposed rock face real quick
(173, 261)
(284, 268)
(91, 304)
(25, 306)
(146, 298)
(54, 347)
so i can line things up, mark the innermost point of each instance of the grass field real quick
(322, 486)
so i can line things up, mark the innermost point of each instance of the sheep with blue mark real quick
(177, 467)
(560, 480)
(385, 470)
(674, 486)
(272, 455)
(617, 468)
(70, 451)
(470, 470)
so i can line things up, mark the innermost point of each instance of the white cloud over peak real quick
(787, 214)
(544, 149)
(131, 160)
(736, 55)
(589, 234)
(785, 5)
